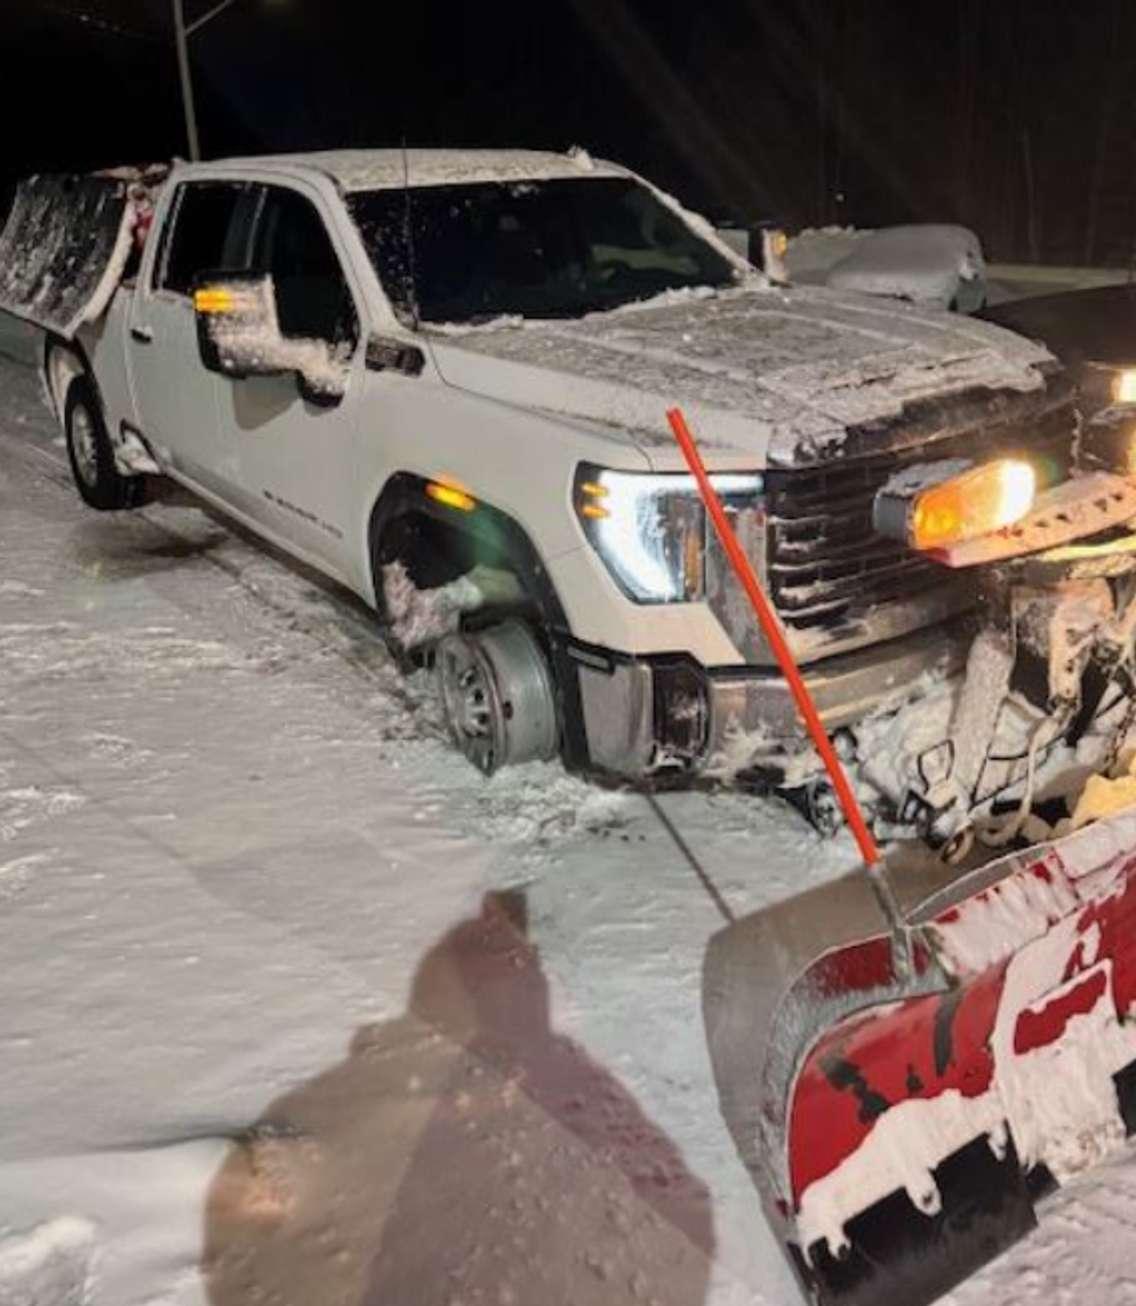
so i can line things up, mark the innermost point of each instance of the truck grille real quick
(827, 567)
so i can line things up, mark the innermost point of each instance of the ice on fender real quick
(904, 1096)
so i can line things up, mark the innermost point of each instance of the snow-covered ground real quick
(248, 898)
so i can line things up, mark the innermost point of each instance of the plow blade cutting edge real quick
(909, 1058)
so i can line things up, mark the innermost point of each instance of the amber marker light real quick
(592, 504)
(451, 496)
(214, 300)
(979, 501)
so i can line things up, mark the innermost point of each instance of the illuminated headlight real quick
(930, 513)
(1108, 411)
(650, 529)
(1105, 385)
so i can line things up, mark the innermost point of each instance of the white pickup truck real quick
(441, 378)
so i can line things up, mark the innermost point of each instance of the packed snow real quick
(296, 1002)
(908, 1142)
(358, 170)
(49, 1265)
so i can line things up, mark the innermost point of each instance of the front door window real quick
(209, 232)
(313, 301)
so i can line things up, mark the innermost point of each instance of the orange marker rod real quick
(776, 637)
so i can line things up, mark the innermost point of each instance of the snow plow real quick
(910, 1058)
(71, 239)
(64, 250)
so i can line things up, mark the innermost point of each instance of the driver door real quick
(296, 449)
(206, 226)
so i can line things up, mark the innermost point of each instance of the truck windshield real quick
(540, 249)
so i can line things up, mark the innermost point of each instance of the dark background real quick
(1016, 117)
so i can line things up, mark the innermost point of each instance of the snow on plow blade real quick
(905, 1092)
(64, 249)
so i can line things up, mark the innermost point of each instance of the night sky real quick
(1017, 117)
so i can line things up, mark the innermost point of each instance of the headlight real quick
(1105, 385)
(650, 530)
(1107, 403)
(930, 513)
(1124, 386)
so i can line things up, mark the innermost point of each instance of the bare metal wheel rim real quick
(497, 693)
(469, 696)
(83, 444)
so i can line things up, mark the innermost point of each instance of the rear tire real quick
(99, 482)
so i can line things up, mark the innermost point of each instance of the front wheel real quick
(97, 478)
(497, 695)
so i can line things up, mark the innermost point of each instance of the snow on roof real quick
(356, 170)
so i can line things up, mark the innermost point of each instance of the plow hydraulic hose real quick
(771, 627)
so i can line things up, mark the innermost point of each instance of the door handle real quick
(144, 335)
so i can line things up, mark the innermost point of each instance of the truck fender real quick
(62, 361)
(495, 531)
(502, 537)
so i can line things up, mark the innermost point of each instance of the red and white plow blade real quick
(1032, 1043)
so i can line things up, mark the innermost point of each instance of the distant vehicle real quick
(926, 263)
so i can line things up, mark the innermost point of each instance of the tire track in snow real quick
(53, 468)
(362, 626)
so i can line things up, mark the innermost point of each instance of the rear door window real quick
(210, 231)
(293, 246)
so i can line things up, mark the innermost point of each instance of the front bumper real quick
(642, 716)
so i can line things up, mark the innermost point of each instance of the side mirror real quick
(238, 335)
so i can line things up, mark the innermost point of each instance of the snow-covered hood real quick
(766, 375)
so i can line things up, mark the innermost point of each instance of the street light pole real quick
(182, 33)
(182, 38)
